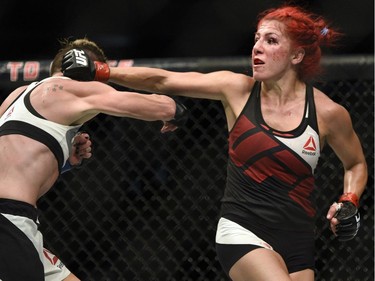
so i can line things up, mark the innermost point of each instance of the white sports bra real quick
(21, 118)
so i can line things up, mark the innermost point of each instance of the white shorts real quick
(54, 269)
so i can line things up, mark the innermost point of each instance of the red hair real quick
(307, 31)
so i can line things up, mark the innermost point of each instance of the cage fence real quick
(145, 206)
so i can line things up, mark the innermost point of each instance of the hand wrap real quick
(77, 65)
(348, 217)
(181, 115)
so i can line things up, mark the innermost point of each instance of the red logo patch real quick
(51, 257)
(310, 144)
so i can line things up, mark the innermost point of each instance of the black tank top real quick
(270, 174)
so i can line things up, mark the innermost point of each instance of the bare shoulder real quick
(220, 85)
(331, 115)
(236, 94)
(17, 92)
(11, 97)
(235, 78)
(236, 84)
(326, 107)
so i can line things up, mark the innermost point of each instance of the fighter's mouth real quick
(257, 62)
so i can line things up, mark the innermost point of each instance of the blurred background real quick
(163, 28)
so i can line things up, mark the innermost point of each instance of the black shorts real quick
(297, 248)
(19, 259)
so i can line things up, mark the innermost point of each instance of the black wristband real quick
(181, 115)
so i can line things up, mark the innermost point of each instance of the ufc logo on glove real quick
(80, 57)
(77, 65)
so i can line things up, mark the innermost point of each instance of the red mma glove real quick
(348, 217)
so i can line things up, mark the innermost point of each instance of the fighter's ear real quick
(298, 55)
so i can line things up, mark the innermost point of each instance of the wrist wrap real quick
(180, 116)
(348, 216)
(102, 71)
(351, 197)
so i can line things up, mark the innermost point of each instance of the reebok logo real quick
(310, 147)
(51, 257)
(80, 57)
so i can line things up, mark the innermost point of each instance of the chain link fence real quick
(145, 207)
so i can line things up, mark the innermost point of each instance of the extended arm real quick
(100, 98)
(212, 85)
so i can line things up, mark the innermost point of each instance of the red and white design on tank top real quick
(270, 175)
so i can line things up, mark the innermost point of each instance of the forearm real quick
(355, 179)
(139, 78)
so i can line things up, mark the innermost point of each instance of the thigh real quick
(260, 265)
(71, 277)
(297, 248)
(303, 275)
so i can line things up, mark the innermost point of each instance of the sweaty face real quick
(271, 55)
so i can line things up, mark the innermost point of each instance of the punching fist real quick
(77, 65)
(345, 219)
(81, 149)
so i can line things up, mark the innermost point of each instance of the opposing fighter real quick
(37, 125)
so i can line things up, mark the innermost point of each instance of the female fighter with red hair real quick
(278, 124)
